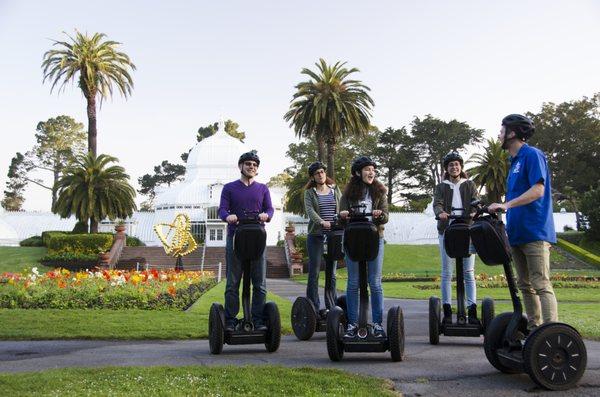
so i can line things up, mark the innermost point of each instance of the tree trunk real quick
(92, 132)
(330, 158)
(390, 186)
(93, 225)
(321, 148)
(54, 189)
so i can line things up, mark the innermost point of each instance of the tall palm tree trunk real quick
(330, 158)
(321, 147)
(93, 225)
(92, 131)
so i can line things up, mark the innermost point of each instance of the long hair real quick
(311, 182)
(355, 189)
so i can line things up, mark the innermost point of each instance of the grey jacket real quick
(442, 200)
(311, 208)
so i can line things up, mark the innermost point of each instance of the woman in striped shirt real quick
(321, 204)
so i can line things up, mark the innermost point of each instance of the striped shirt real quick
(327, 208)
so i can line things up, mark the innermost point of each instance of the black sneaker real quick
(378, 331)
(472, 313)
(447, 314)
(351, 331)
(259, 326)
(229, 327)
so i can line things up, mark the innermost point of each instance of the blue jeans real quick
(374, 268)
(232, 287)
(314, 246)
(468, 274)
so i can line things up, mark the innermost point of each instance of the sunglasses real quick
(250, 164)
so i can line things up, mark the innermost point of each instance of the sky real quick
(474, 61)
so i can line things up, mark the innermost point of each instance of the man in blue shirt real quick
(244, 194)
(529, 220)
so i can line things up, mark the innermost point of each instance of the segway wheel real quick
(304, 318)
(554, 356)
(335, 330)
(273, 322)
(216, 329)
(395, 327)
(341, 302)
(435, 320)
(494, 337)
(487, 313)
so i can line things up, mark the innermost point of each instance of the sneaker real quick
(351, 331)
(472, 313)
(229, 327)
(447, 314)
(378, 331)
(259, 326)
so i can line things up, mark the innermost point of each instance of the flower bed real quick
(103, 289)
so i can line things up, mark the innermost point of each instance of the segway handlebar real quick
(358, 211)
(482, 209)
(462, 216)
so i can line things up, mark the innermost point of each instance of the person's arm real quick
(309, 209)
(224, 204)
(267, 205)
(384, 208)
(438, 200)
(532, 194)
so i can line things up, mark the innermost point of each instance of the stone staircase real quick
(155, 256)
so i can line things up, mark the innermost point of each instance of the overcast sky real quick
(475, 61)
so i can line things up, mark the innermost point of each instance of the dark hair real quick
(311, 182)
(462, 175)
(355, 189)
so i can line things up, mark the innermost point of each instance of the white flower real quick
(34, 270)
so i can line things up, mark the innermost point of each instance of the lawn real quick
(15, 259)
(193, 380)
(121, 324)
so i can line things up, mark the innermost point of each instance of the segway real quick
(456, 244)
(553, 354)
(361, 243)
(248, 244)
(306, 318)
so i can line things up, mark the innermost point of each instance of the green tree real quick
(93, 189)
(231, 127)
(97, 65)
(164, 174)
(490, 170)
(433, 138)
(329, 107)
(569, 135)
(590, 207)
(15, 185)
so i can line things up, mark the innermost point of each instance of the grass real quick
(15, 259)
(28, 324)
(193, 380)
(584, 317)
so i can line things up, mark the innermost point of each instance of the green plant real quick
(133, 241)
(47, 235)
(80, 244)
(300, 244)
(33, 241)
(590, 208)
(80, 227)
(571, 236)
(580, 252)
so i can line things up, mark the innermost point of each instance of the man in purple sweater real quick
(244, 194)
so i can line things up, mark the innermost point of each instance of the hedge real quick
(79, 244)
(33, 241)
(580, 252)
(47, 235)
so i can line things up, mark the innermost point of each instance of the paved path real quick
(457, 366)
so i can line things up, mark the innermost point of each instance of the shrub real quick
(79, 244)
(33, 241)
(47, 235)
(590, 207)
(572, 237)
(580, 252)
(134, 242)
(80, 227)
(300, 244)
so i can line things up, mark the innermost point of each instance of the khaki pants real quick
(532, 262)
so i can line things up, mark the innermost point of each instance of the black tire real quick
(487, 313)
(554, 356)
(304, 318)
(435, 320)
(216, 329)
(494, 337)
(395, 327)
(335, 330)
(341, 303)
(273, 322)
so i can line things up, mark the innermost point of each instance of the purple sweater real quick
(237, 197)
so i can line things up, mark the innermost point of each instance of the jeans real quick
(234, 277)
(468, 274)
(532, 262)
(314, 246)
(374, 268)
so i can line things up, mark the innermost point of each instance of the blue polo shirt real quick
(534, 221)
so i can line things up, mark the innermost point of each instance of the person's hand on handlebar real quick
(263, 217)
(326, 225)
(377, 213)
(443, 216)
(344, 214)
(231, 219)
(497, 207)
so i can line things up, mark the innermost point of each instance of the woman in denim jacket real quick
(365, 189)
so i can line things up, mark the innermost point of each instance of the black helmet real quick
(361, 162)
(249, 156)
(314, 167)
(521, 125)
(452, 156)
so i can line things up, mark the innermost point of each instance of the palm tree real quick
(330, 106)
(491, 170)
(96, 64)
(91, 189)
